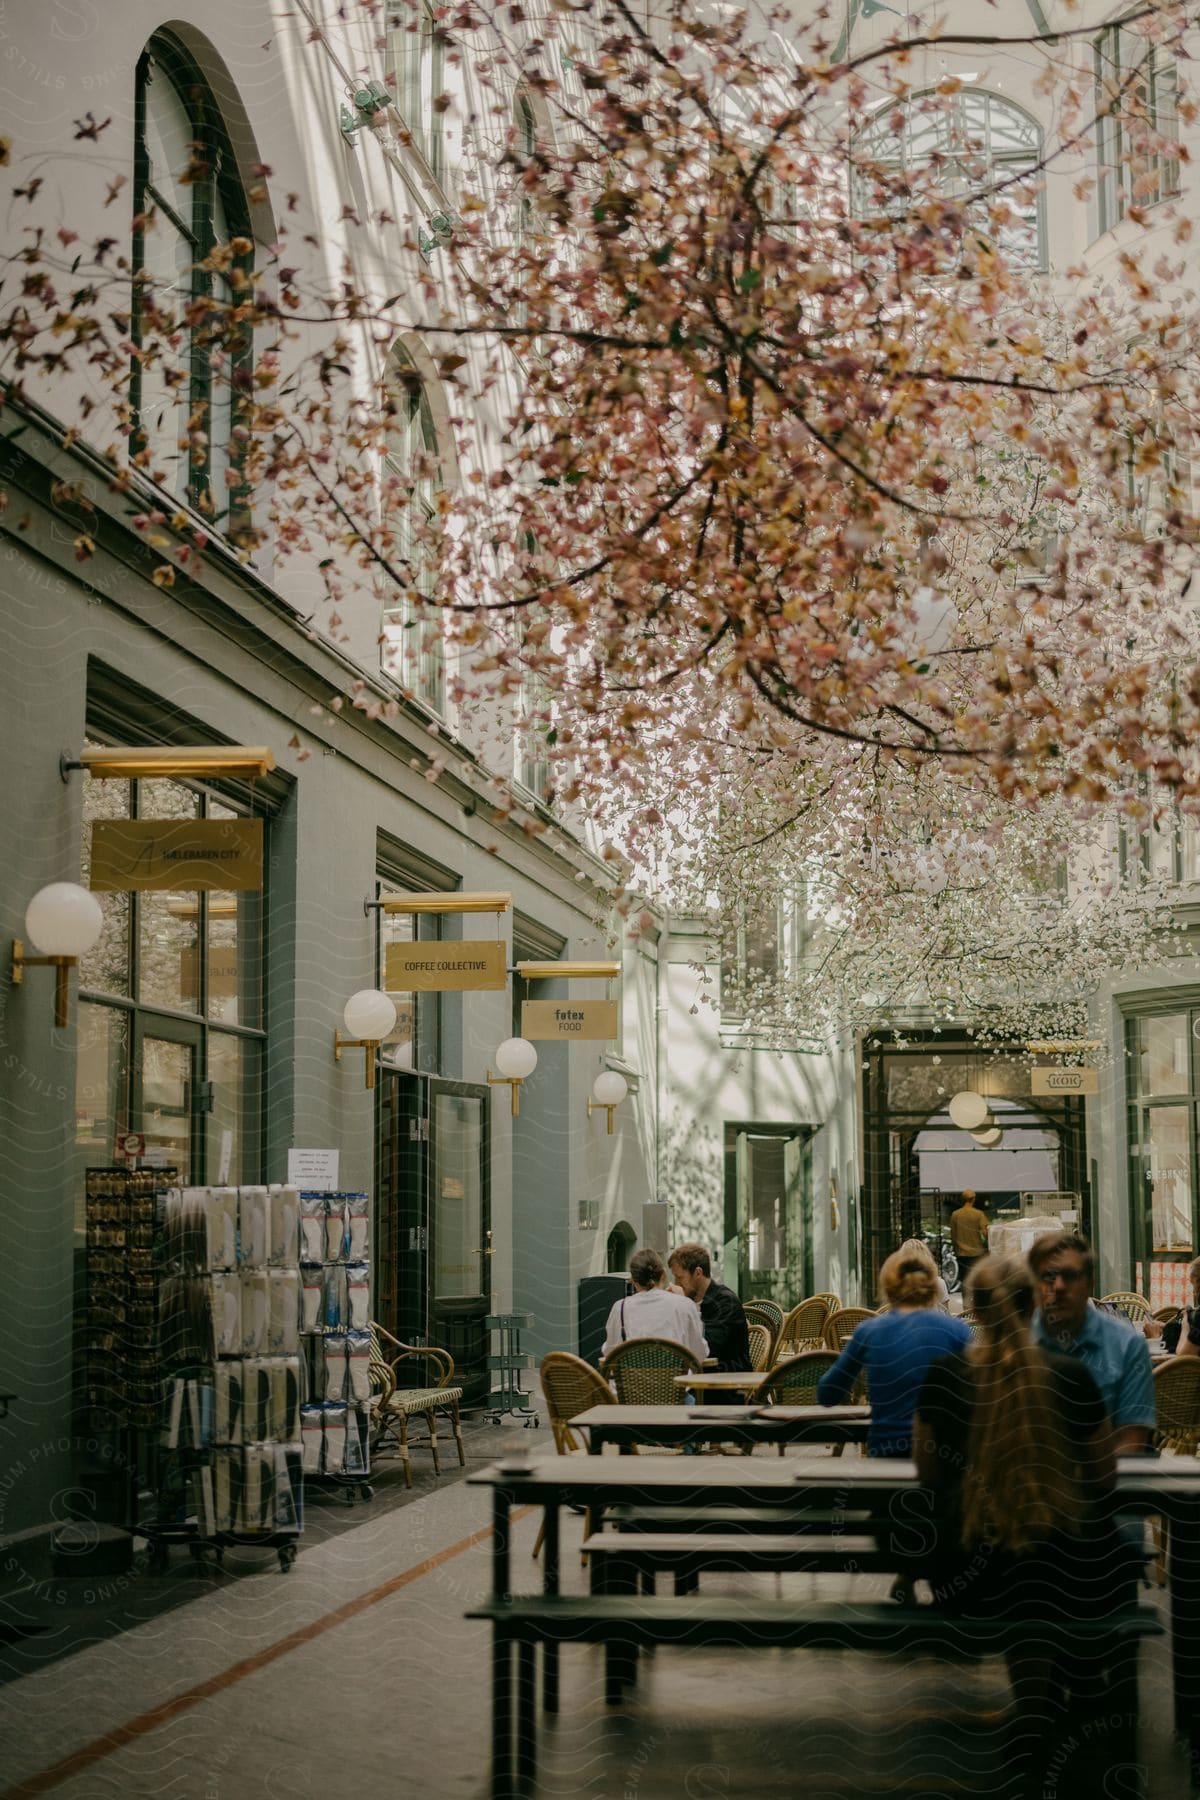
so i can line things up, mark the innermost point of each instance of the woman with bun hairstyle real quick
(894, 1350)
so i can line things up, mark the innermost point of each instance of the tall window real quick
(416, 55)
(412, 647)
(416, 1041)
(982, 147)
(762, 945)
(1137, 126)
(192, 258)
(1162, 1057)
(171, 1035)
(525, 126)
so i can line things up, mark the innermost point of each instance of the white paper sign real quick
(313, 1171)
(154, 1156)
(1069, 1218)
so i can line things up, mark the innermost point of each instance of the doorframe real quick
(190, 1034)
(785, 1129)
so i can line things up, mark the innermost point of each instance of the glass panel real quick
(1161, 842)
(105, 967)
(233, 1070)
(416, 1041)
(1170, 1176)
(169, 135)
(234, 949)
(457, 1197)
(166, 1085)
(1189, 851)
(101, 1089)
(1162, 1066)
(168, 924)
(767, 1221)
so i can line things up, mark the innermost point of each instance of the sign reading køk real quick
(1064, 1081)
(176, 854)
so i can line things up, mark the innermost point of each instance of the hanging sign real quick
(441, 968)
(1064, 1081)
(591, 1019)
(140, 855)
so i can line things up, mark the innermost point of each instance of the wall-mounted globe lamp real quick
(608, 1091)
(63, 921)
(968, 1110)
(370, 1015)
(516, 1060)
(989, 1137)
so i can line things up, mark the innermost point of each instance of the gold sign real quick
(435, 968)
(176, 854)
(592, 1019)
(1064, 1081)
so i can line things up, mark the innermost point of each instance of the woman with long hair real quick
(893, 1351)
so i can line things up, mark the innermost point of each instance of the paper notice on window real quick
(1069, 1218)
(225, 1159)
(313, 1171)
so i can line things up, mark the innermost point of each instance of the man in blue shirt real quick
(1114, 1354)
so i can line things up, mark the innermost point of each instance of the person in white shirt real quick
(651, 1311)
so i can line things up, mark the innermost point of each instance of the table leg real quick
(526, 1720)
(501, 1654)
(550, 1580)
(1184, 1571)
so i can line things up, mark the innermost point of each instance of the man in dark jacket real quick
(721, 1316)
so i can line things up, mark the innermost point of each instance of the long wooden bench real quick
(624, 1623)
(686, 1555)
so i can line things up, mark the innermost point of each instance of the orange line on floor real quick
(146, 1722)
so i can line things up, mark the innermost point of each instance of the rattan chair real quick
(761, 1344)
(768, 1313)
(570, 1386)
(392, 1405)
(973, 1323)
(1135, 1306)
(643, 1371)
(1166, 1315)
(832, 1301)
(802, 1328)
(1177, 1405)
(842, 1325)
(794, 1382)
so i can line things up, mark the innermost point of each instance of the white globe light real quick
(516, 1058)
(63, 919)
(989, 1138)
(609, 1088)
(968, 1110)
(370, 1014)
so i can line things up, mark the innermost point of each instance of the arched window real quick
(417, 57)
(192, 257)
(980, 145)
(412, 649)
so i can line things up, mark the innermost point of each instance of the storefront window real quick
(416, 1042)
(170, 1017)
(1162, 1136)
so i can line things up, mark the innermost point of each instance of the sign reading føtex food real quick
(176, 854)
(594, 1019)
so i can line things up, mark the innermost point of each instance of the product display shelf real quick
(509, 1398)
(336, 1344)
(230, 1459)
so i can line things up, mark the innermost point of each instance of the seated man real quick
(725, 1324)
(1113, 1352)
(654, 1311)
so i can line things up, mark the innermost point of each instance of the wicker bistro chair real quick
(832, 1301)
(761, 1344)
(570, 1386)
(768, 1313)
(393, 1406)
(802, 1328)
(643, 1370)
(1135, 1306)
(1177, 1405)
(1166, 1315)
(794, 1383)
(973, 1323)
(843, 1324)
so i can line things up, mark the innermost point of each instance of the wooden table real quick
(1167, 1485)
(673, 1426)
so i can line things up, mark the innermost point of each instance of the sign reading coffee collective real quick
(176, 855)
(1064, 1081)
(592, 1019)
(440, 968)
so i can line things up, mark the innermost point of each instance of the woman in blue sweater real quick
(894, 1351)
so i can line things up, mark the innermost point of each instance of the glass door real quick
(460, 1238)
(166, 1096)
(774, 1226)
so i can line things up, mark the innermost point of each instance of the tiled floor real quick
(357, 1675)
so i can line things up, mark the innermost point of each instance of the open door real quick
(772, 1184)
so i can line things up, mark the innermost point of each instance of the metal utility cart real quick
(509, 1398)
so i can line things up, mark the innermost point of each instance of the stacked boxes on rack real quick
(233, 1304)
(120, 1318)
(335, 1282)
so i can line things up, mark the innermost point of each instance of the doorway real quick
(768, 1212)
(622, 1240)
(435, 1242)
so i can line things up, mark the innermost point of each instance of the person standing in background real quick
(968, 1233)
